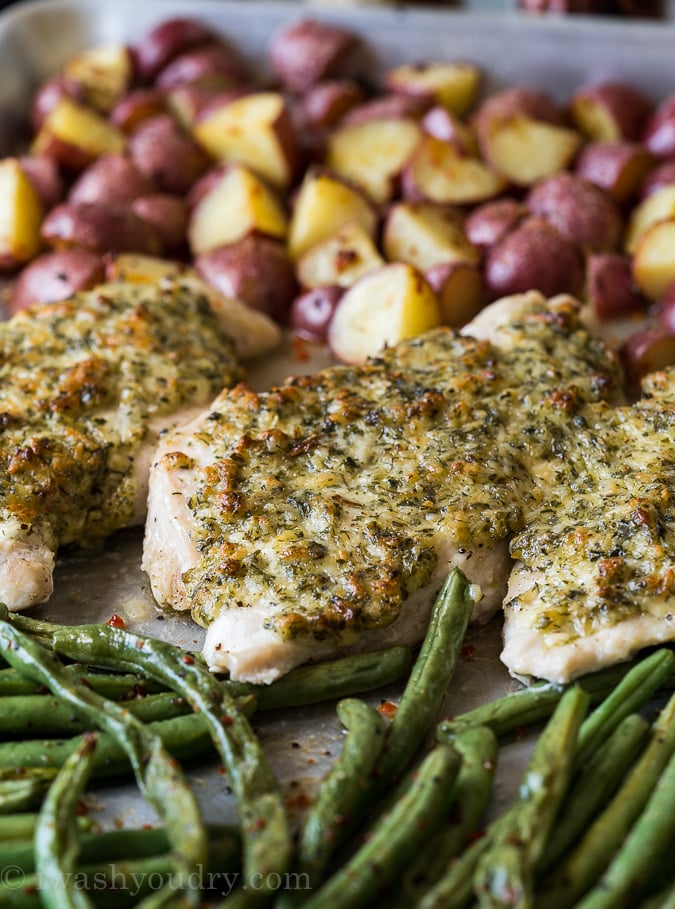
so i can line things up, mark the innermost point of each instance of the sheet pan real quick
(36, 38)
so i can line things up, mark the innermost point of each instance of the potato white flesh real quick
(657, 207)
(340, 259)
(654, 259)
(324, 205)
(238, 204)
(425, 234)
(384, 307)
(374, 153)
(525, 150)
(105, 74)
(255, 130)
(20, 216)
(454, 84)
(83, 128)
(438, 172)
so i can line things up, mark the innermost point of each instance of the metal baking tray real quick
(36, 38)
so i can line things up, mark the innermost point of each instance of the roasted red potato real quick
(534, 256)
(444, 125)
(99, 228)
(610, 288)
(667, 310)
(326, 103)
(44, 174)
(50, 93)
(166, 41)
(104, 74)
(452, 84)
(135, 107)
(619, 168)
(662, 175)
(312, 312)
(307, 52)
(20, 216)
(255, 270)
(387, 107)
(111, 179)
(213, 65)
(166, 155)
(438, 172)
(579, 210)
(167, 214)
(55, 276)
(75, 135)
(486, 224)
(647, 351)
(460, 290)
(610, 111)
(659, 133)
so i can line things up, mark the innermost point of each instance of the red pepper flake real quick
(30, 889)
(300, 351)
(226, 720)
(188, 660)
(388, 709)
(469, 653)
(476, 835)
(116, 621)
(259, 824)
(81, 809)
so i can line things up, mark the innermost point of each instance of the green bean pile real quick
(400, 819)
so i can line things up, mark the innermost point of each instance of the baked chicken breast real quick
(324, 514)
(86, 385)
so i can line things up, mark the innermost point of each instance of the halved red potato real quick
(373, 154)
(251, 206)
(167, 214)
(255, 130)
(210, 65)
(382, 308)
(323, 205)
(658, 206)
(610, 111)
(48, 96)
(99, 228)
(659, 133)
(21, 214)
(667, 310)
(654, 259)
(387, 107)
(610, 288)
(444, 125)
(617, 167)
(166, 155)
(45, 176)
(326, 103)
(75, 135)
(136, 106)
(486, 224)
(255, 270)
(110, 178)
(452, 84)
(662, 175)
(340, 259)
(438, 172)
(55, 276)
(306, 52)
(312, 312)
(524, 150)
(534, 256)
(647, 351)
(166, 41)
(460, 288)
(425, 234)
(518, 100)
(104, 74)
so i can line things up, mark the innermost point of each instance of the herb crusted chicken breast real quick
(324, 514)
(86, 384)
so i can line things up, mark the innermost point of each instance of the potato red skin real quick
(579, 210)
(387, 107)
(662, 175)
(325, 104)
(310, 51)
(604, 165)
(139, 105)
(534, 256)
(166, 155)
(610, 287)
(312, 312)
(55, 276)
(255, 270)
(529, 102)
(659, 133)
(48, 96)
(212, 64)
(99, 228)
(167, 214)
(166, 41)
(44, 174)
(667, 311)
(646, 350)
(628, 107)
(488, 223)
(110, 179)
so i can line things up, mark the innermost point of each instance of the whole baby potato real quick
(616, 167)
(167, 214)
(99, 228)
(55, 276)
(256, 270)
(534, 256)
(111, 178)
(581, 211)
(166, 41)
(610, 111)
(309, 51)
(167, 156)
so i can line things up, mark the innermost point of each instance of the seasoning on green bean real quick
(582, 867)
(21, 826)
(427, 686)
(505, 873)
(57, 840)
(159, 778)
(396, 838)
(118, 686)
(629, 696)
(594, 787)
(651, 838)
(478, 748)
(266, 835)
